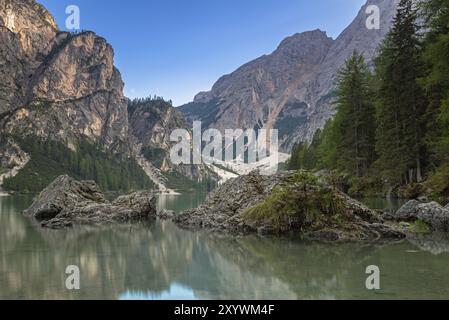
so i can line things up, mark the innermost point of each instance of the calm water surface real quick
(159, 261)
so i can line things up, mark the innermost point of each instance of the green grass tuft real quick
(302, 200)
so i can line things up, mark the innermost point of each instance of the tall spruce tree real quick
(354, 124)
(435, 14)
(401, 104)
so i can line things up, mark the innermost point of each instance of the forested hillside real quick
(49, 159)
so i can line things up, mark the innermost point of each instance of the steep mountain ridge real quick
(320, 89)
(251, 95)
(291, 89)
(58, 85)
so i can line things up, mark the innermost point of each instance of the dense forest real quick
(391, 129)
(50, 159)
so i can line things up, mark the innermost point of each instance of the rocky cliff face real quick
(151, 124)
(253, 95)
(12, 159)
(291, 89)
(58, 85)
(27, 32)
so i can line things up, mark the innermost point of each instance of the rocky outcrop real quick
(67, 202)
(11, 155)
(12, 159)
(432, 213)
(292, 89)
(225, 210)
(151, 123)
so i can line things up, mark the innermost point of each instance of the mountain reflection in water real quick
(160, 261)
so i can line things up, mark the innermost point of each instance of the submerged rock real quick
(166, 214)
(67, 202)
(433, 214)
(285, 203)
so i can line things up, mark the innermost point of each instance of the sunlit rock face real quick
(58, 85)
(292, 88)
(27, 32)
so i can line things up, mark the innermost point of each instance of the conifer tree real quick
(354, 125)
(435, 14)
(401, 105)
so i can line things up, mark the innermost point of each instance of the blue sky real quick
(176, 48)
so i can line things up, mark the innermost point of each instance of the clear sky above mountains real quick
(176, 48)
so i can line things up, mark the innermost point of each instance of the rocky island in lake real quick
(287, 203)
(67, 202)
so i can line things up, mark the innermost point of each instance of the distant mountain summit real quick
(292, 88)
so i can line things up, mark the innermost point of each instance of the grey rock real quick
(432, 213)
(67, 202)
(142, 202)
(408, 211)
(166, 214)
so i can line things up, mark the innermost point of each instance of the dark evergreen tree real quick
(435, 14)
(401, 105)
(354, 124)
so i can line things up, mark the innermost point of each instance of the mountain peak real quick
(290, 89)
(316, 34)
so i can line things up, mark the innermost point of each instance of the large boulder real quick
(432, 213)
(67, 202)
(249, 204)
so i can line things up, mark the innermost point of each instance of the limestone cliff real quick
(151, 123)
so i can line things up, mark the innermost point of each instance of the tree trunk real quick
(419, 177)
